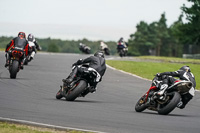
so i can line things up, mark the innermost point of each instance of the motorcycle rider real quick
(31, 38)
(122, 45)
(96, 63)
(84, 48)
(104, 47)
(20, 43)
(184, 73)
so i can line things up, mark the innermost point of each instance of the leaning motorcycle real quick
(85, 49)
(79, 87)
(165, 103)
(122, 50)
(15, 62)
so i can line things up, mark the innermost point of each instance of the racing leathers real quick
(182, 75)
(96, 64)
(20, 44)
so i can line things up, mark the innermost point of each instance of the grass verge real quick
(16, 128)
(149, 69)
(170, 59)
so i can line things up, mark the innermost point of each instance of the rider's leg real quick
(164, 85)
(22, 61)
(7, 59)
(185, 99)
(70, 78)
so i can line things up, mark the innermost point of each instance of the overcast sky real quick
(77, 19)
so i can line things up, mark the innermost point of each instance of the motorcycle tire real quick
(58, 94)
(139, 107)
(14, 69)
(171, 105)
(121, 53)
(73, 94)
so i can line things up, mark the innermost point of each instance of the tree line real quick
(64, 46)
(158, 39)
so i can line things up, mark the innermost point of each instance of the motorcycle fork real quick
(147, 94)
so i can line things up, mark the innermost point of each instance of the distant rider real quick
(84, 48)
(122, 45)
(184, 73)
(33, 44)
(96, 63)
(103, 46)
(19, 43)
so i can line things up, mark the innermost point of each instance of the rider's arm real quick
(9, 46)
(174, 74)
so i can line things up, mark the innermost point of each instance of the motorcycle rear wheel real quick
(14, 69)
(171, 105)
(80, 86)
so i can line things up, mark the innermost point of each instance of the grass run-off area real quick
(149, 69)
(15, 128)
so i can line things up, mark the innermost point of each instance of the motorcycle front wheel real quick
(140, 105)
(58, 94)
(166, 108)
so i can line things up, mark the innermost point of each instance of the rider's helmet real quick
(121, 39)
(22, 34)
(31, 38)
(99, 54)
(185, 68)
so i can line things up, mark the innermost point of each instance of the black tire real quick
(171, 105)
(121, 53)
(140, 105)
(59, 95)
(14, 69)
(72, 95)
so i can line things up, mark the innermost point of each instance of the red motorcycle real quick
(166, 102)
(15, 62)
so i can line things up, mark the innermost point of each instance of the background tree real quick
(191, 29)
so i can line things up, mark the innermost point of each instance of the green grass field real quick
(149, 69)
(15, 128)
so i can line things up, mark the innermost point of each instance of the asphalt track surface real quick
(31, 97)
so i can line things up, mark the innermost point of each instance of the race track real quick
(31, 97)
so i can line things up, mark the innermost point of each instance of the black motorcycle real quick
(79, 87)
(85, 49)
(15, 62)
(165, 103)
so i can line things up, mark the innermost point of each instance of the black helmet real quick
(31, 37)
(22, 34)
(185, 68)
(99, 54)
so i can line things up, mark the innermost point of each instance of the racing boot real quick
(22, 65)
(185, 99)
(7, 59)
(162, 89)
(7, 63)
(92, 89)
